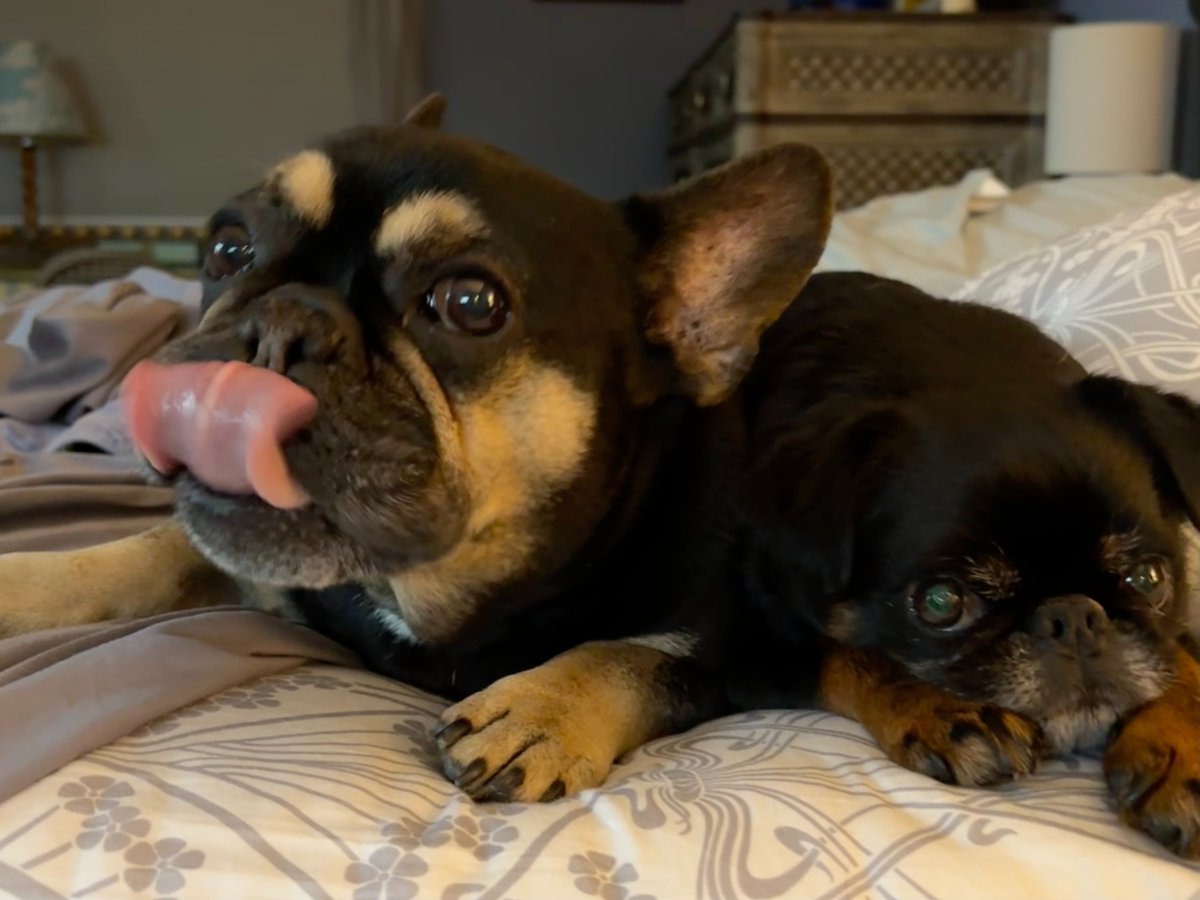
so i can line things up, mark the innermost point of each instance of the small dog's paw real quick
(522, 740)
(1152, 766)
(967, 743)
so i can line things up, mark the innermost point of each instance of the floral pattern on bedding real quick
(321, 783)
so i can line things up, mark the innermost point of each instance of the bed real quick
(223, 754)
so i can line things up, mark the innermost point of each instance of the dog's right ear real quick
(722, 256)
(1166, 426)
(428, 113)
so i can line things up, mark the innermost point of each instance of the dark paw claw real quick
(500, 789)
(963, 730)
(992, 718)
(555, 792)
(449, 735)
(1167, 833)
(936, 766)
(1131, 787)
(470, 774)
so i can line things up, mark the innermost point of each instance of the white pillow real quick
(939, 237)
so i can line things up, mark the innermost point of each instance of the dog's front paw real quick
(1152, 766)
(520, 740)
(959, 742)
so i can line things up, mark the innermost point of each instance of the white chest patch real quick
(395, 624)
(678, 644)
(1081, 731)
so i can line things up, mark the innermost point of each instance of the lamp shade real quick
(1111, 101)
(34, 102)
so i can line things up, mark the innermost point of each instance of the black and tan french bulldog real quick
(499, 437)
(980, 541)
(470, 421)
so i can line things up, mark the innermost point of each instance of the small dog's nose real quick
(297, 323)
(1076, 624)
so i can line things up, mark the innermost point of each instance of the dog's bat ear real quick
(428, 113)
(806, 490)
(1166, 426)
(724, 254)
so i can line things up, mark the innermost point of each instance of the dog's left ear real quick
(1166, 426)
(428, 113)
(724, 254)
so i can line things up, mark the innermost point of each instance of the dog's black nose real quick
(1076, 625)
(297, 323)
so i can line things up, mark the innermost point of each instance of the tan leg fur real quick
(153, 572)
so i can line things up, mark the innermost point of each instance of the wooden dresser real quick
(896, 102)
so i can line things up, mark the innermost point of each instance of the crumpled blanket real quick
(68, 691)
(68, 478)
(66, 349)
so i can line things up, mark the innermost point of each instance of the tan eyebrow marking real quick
(306, 183)
(432, 215)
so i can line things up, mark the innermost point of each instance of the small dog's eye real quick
(1148, 578)
(230, 251)
(944, 604)
(468, 305)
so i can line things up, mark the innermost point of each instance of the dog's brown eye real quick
(1147, 578)
(940, 604)
(468, 305)
(231, 250)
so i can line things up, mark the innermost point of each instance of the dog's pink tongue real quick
(225, 422)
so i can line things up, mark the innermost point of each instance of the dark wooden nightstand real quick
(896, 102)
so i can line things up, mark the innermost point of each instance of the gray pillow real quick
(1123, 296)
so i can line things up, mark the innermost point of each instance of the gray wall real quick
(192, 100)
(578, 88)
(1115, 10)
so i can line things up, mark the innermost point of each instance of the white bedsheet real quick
(321, 783)
(932, 239)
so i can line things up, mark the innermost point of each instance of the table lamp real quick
(1111, 98)
(35, 105)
